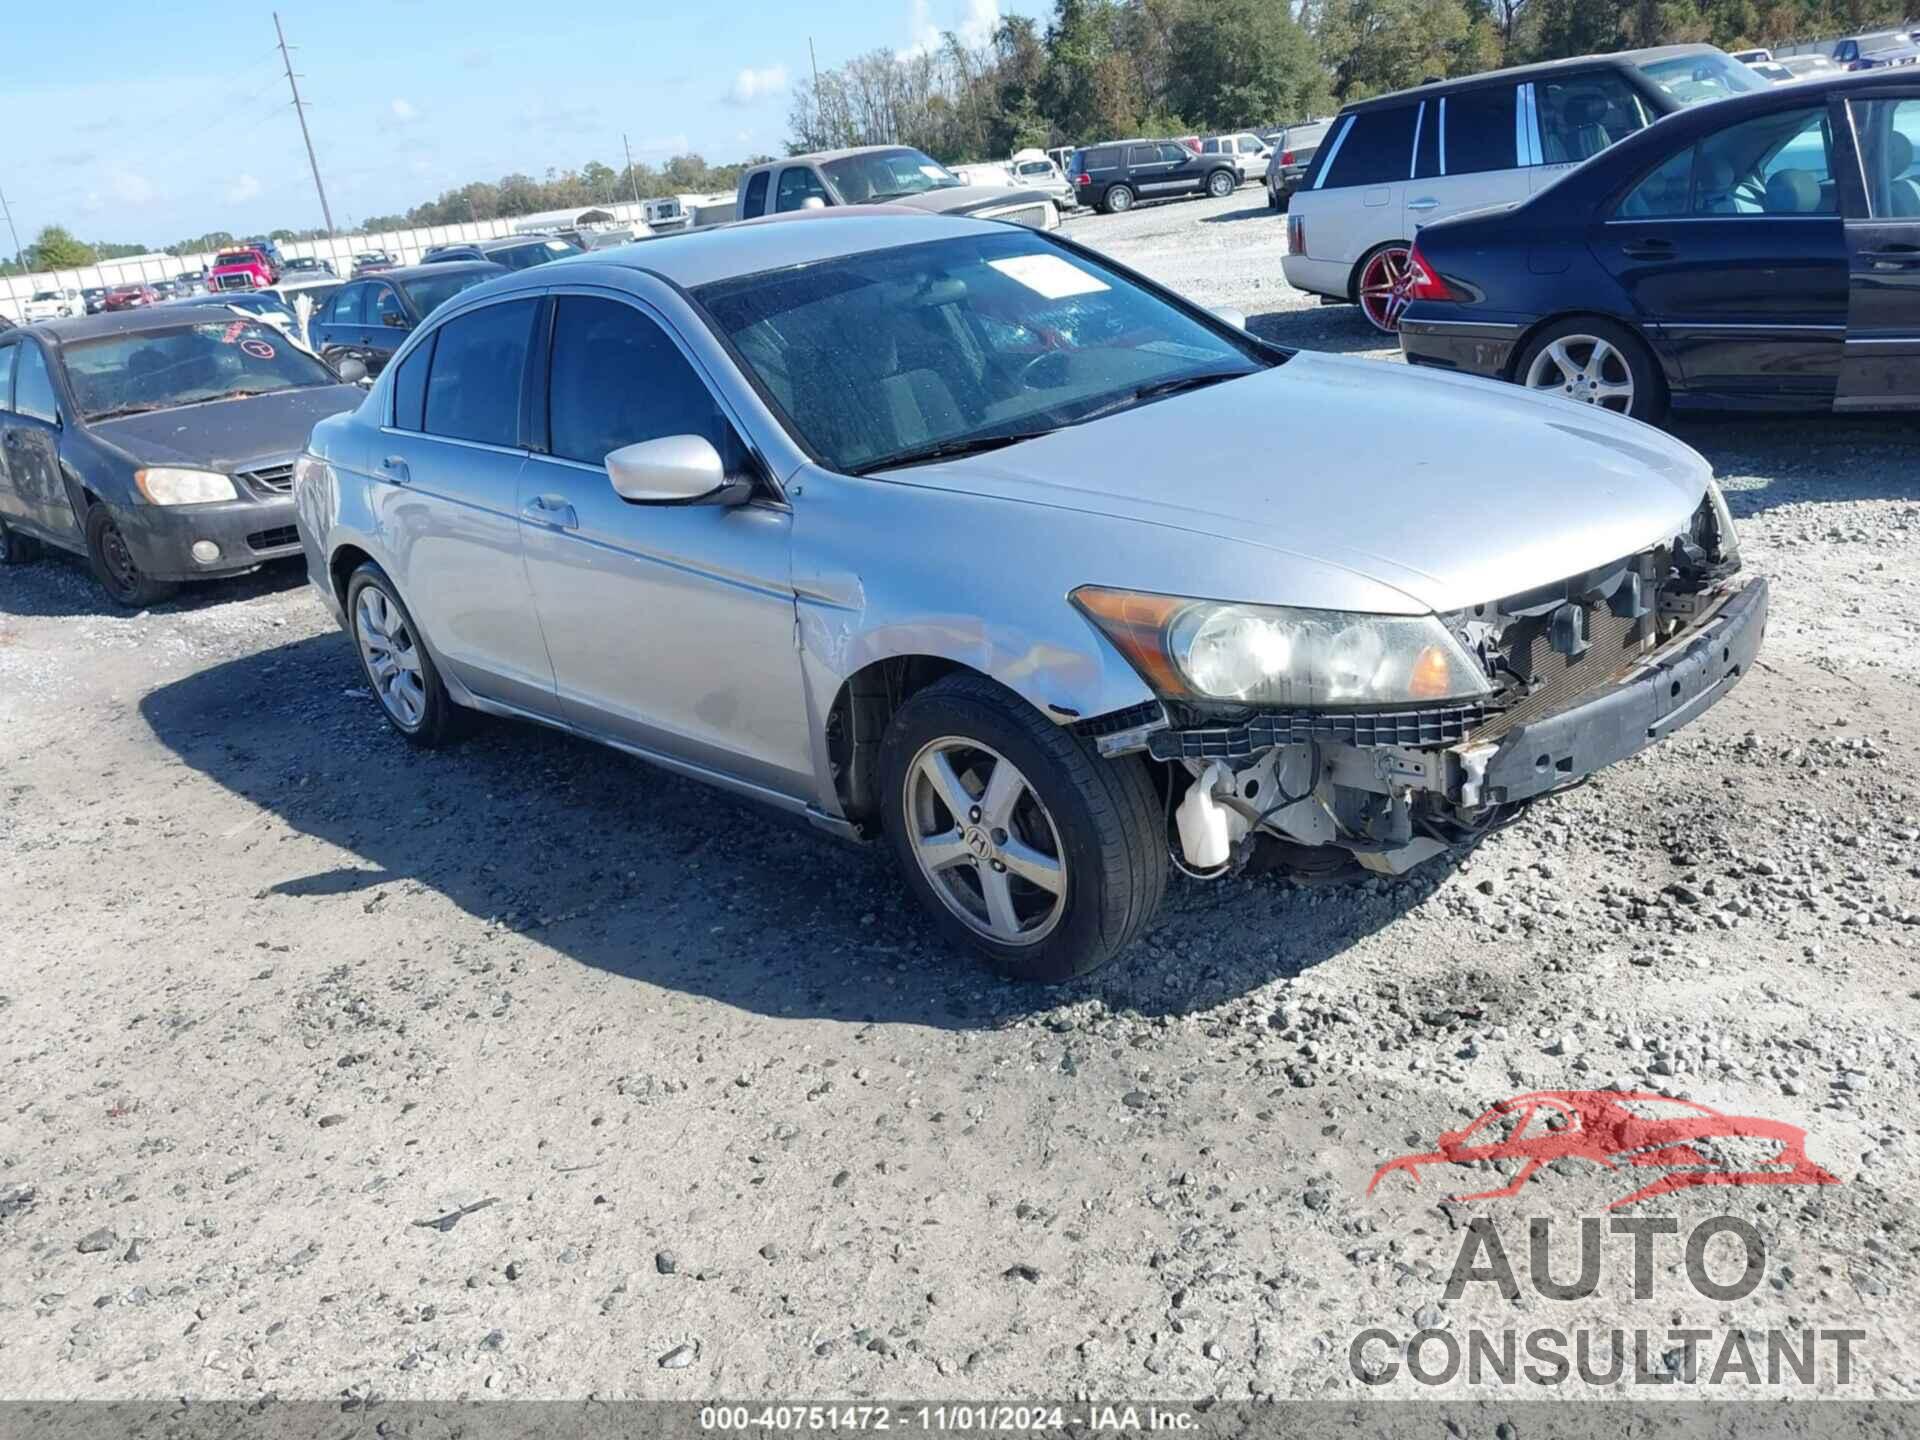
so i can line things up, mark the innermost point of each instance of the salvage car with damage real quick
(951, 535)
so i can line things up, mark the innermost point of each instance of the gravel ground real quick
(333, 1069)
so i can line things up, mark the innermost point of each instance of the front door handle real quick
(552, 511)
(397, 470)
(1425, 202)
(1648, 249)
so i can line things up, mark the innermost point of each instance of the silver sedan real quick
(953, 534)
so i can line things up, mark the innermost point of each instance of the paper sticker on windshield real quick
(1049, 276)
(258, 349)
(933, 172)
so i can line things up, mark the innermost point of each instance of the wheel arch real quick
(1359, 265)
(1674, 380)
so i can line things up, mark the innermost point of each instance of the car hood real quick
(229, 434)
(1450, 490)
(966, 199)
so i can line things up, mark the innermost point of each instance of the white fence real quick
(406, 247)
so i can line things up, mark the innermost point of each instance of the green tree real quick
(54, 248)
(1236, 63)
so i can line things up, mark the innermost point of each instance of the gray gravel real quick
(522, 1069)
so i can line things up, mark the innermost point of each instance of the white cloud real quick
(752, 85)
(244, 187)
(974, 21)
(130, 189)
(404, 112)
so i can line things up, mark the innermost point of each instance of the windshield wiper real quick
(126, 410)
(948, 450)
(1160, 388)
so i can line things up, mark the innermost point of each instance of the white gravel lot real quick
(725, 1119)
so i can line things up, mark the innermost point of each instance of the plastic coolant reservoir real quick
(1207, 828)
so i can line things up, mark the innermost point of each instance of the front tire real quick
(1016, 835)
(1596, 362)
(115, 568)
(1118, 200)
(395, 661)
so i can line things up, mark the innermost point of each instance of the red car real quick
(250, 268)
(1620, 1128)
(129, 297)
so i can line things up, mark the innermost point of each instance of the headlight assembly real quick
(1273, 655)
(164, 485)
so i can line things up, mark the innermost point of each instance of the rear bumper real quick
(1679, 682)
(1473, 346)
(248, 532)
(1317, 277)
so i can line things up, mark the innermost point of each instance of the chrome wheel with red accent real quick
(1386, 278)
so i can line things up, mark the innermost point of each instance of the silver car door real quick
(450, 458)
(671, 626)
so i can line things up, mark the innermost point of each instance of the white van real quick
(1395, 163)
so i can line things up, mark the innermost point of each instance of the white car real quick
(1250, 154)
(55, 305)
(1035, 170)
(1395, 163)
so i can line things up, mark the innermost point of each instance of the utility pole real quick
(18, 253)
(300, 110)
(819, 122)
(632, 178)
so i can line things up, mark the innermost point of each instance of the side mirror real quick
(674, 470)
(1233, 317)
(352, 371)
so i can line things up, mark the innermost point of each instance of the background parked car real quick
(1803, 66)
(1116, 176)
(247, 267)
(1773, 71)
(96, 297)
(1752, 57)
(129, 297)
(367, 320)
(160, 445)
(1293, 151)
(1382, 174)
(519, 252)
(55, 304)
(1885, 50)
(1247, 152)
(895, 174)
(305, 267)
(370, 262)
(1726, 257)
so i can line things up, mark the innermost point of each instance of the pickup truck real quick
(883, 174)
(54, 305)
(251, 268)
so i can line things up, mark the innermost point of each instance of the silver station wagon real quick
(952, 534)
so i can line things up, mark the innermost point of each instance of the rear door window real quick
(1480, 130)
(473, 387)
(756, 201)
(1378, 148)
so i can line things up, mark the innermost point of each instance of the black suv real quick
(1118, 175)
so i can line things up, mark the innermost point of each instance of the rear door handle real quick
(1648, 249)
(1893, 255)
(552, 511)
(1425, 202)
(396, 468)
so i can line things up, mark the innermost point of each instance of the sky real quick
(188, 127)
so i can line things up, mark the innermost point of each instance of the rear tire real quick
(1622, 357)
(115, 568)
(1222, 183)
(1090, 829)
(1380, 285)
(1118, 200)
(17, 549)
(394, 659)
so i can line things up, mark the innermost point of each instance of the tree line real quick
(1104, 69)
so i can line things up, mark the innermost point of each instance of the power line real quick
(300, 110)
(18, 254)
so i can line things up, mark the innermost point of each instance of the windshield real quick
(244, 257)
(1692, 79)
(46, 294)
(159, 369)
(431, 292)
(885, 174)
(878, 356)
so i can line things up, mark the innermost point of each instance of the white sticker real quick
(1049, 276)
(933, 172)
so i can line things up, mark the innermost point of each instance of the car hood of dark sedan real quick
(228, 434)
(1451, 490)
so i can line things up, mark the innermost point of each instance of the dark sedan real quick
(1758, 254)
(158, 444)
(366, 320)
(516, 252)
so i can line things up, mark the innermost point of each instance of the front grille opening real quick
(271, 479)
(277, 538)
(1615, 644)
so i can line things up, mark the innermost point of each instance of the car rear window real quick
(1377, 148)
(1105, 158)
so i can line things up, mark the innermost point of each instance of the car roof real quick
(692, 258)
(1519, 73)
(405, 273)
(116, 322)
(820, 156)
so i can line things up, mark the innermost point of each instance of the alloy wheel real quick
(392, 656)
(985, 842)
(1385, 287)
(1584, 368)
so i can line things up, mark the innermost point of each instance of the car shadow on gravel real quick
(645, 875)
(1339, 328)
(61, 584)
(1258, 210)
(1834, 460)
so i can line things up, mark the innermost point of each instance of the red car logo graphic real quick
(1619, 1128)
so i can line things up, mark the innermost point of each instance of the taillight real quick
(1296, 235)
(1286, 157)
(1083, 178)
(1422, 281)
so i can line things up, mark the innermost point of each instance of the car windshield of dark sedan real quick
(887, 175)
(429, 293)
(936, 349)
(186, 365)
(1692, 79)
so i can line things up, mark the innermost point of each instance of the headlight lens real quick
(1272, 655)
(166, 486)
